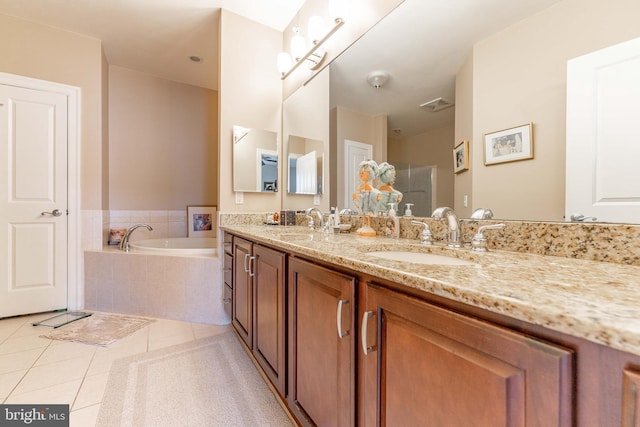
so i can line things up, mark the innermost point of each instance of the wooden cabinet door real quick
(321, 363)
(242, 318)
(430, 366)
(269, 314)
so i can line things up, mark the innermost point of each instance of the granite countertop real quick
(597, 301)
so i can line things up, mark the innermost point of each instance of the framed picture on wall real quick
(509, 145)
(461, 157)
(201, 221)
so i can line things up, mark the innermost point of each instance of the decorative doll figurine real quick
(385, 179)
(367, 197)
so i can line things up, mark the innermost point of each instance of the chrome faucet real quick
(319, 215)
(124, 243)
(453, 235)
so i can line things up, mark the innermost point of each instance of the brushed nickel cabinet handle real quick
(252, 263)
(341, 333)
(366, 349)
(246, 269)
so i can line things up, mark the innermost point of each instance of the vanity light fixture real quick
(315, 55)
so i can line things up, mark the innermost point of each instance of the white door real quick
(33, 201)
(354, 153)
(603, 149)
(307, 174)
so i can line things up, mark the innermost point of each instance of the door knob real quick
(55, 212)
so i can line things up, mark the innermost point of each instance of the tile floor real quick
(39, 370)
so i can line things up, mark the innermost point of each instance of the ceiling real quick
(421, 44)
(155, 36)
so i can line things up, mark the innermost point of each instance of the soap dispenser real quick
(393, 222)
(407, 210)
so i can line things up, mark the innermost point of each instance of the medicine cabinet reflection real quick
(255, 160)
(304, 161)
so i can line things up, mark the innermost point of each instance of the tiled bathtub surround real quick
(172, 287)
(96, 225)
(617, 243)
(164, 223)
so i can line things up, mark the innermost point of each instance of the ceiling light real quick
(377, 78)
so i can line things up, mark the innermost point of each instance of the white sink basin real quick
(420, 258)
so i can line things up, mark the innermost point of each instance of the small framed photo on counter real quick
(202, 221)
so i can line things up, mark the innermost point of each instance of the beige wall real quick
(163, 143)
(431, 148)
(250, 95)
(464, 131)
(105, 131)
(46, 53)
(519, 76)
(305, 114)
(355, 126)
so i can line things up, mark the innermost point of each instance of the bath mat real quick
(207, 382)
(99, 329)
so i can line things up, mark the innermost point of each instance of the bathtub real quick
(169, 278)
(177, 245)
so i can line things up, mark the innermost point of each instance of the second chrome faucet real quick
(453, 234)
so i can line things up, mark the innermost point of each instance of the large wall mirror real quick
(305, 164)
(255, 160)
(503, 64)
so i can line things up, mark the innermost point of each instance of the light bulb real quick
(316, 29)
(298, 45)
(284, 62)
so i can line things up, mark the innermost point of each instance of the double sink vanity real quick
(366, 331)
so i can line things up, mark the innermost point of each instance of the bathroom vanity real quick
(500, 338)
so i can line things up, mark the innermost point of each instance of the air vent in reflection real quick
(436, 105)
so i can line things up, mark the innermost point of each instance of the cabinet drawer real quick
(227, 243)
(227, 300)
(227, 270)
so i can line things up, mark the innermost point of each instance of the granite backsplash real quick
(615, 243)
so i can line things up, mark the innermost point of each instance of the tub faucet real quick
(453, 235)
(319, 215)
(124, 243)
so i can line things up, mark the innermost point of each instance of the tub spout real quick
(124, 244)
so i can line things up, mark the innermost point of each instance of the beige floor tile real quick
(63, 350)
(91, 391)
(163, 328)
(84, 417)
(8, 381)
(29, 342)
(59, 393)
(169, 340)
(105, 356)
(201, 330)
(53, 373)
(19, 360)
